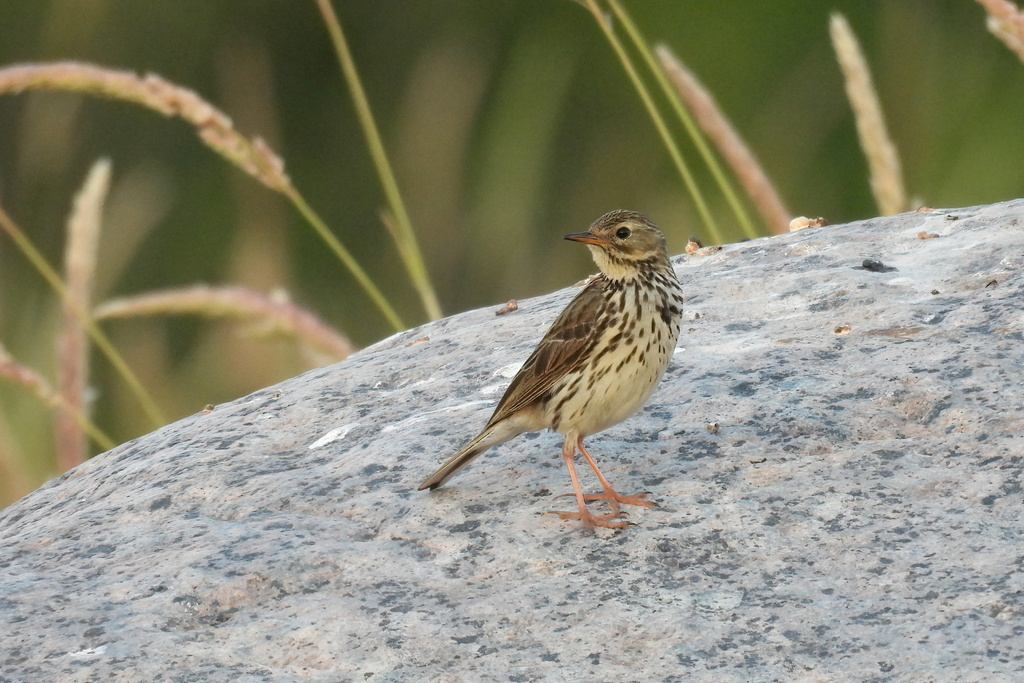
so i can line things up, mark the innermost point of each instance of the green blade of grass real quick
(37, 260)
(731, 148)
(34, 382)
(214, 128)
(742, 216)
(405, 237)
(659, 122)
(335, 245)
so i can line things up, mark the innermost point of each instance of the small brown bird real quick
(600, 361)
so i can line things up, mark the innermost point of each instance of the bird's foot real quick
(616, 499)
(609, 521)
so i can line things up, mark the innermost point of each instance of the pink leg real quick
(613, 498)
(584, 515)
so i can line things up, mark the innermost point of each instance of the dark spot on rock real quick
(743, 389)
(743, 326)
(874, 266)
(160, 503)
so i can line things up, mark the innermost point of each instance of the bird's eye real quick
(623, 232)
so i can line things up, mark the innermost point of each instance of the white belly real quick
(618, 385)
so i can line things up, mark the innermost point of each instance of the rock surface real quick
(857, 514)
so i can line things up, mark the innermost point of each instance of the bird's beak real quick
(586, 238)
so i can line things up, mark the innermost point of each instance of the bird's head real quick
(622, 242)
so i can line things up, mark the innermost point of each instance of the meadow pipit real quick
(599, 362)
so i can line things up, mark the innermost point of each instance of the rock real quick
(856, 514)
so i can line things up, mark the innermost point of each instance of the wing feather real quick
(567, 343)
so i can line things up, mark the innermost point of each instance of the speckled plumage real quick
(601, 359)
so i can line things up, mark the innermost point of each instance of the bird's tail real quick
(491, 436)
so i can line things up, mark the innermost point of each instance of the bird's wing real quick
(567, 343)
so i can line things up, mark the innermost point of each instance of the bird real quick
(600, 361)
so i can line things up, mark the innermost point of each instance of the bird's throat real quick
(613, 267)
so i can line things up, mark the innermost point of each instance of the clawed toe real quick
(615, 499)
(613, 519)
(610, 521)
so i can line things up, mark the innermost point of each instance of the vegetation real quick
(315, 181)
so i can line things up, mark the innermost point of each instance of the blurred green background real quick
(508, 122)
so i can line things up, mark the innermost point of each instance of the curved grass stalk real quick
(641, 45)
(254, 157)
(32, 380)
(404, 235)
(659, 122)
(234, 302)
(24, 244)
(317, 223)
(1006, 22)
(730, 145)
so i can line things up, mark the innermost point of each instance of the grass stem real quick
(659, 121)
(26, 247)
(641, 45)
(213, 127)
(404, 235)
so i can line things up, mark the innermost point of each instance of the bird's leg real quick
(589, 520)
(610, 495)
